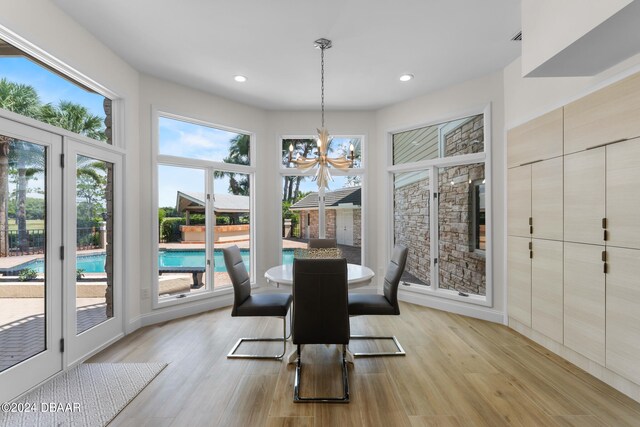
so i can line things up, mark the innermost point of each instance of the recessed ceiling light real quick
(406, 77)
(240, 79)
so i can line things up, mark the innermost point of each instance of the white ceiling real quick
(204, 43)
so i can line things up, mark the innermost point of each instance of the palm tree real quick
(73, 117)
(238, 155)
(21, 99)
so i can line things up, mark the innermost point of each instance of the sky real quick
(51, 87)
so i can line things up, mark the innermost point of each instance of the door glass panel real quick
(23, 261)
(94, 242)
(461, 228)
(411, 198)
(232, 210)
(182, 230)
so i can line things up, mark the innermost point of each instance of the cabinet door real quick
(546, 288)
(519, 279)
(539, 139)
(623, 197)
(584, 300)
(547, 199)
(623, 312)
(519, 201)
(607, 115)
(584, 196)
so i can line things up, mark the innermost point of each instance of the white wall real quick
(527, 98)
(437, 107)
(173, 98)
(45, 26)
(549, 26)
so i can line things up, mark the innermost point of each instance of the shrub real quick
(27, 274)
(197, 219)
(170, 229)
(79, 273)
(223, 220)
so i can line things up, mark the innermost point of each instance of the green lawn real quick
(32, 224)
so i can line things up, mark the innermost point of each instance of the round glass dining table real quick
(357, 275)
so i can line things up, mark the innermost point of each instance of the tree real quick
(21, 99)
(238, 155)
(302, 148)
(73, 117)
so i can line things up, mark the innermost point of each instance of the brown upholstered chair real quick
(382, 305)
(322, 243)
(320, 314)
(245, 304)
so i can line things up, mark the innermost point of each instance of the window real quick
(33, 89)
(204, 204)
(343, 202)
(439, 210)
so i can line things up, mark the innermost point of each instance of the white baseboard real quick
(178, 311)
(471, 310)
(605, 375)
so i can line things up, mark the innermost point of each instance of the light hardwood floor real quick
(458, 372)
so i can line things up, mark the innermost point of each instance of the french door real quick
(60, 253)
(30, 240)
(93, 248)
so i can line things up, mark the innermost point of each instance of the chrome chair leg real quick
(345, 383)
(232, 354)
(400, 351)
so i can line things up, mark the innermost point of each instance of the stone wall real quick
(466, 139)
(462, 268)
(411, 227)
(330, 224)
(357, 228)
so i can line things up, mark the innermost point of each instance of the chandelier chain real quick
(322, 81)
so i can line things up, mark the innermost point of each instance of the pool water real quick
(167, 258)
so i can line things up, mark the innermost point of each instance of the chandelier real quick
(322, 161)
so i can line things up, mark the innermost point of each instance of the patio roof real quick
(222, 203)
(332, 199)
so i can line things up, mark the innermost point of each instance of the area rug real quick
(91, 394)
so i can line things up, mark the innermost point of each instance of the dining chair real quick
(322, 243)
(382, 305)
(245, 304)
(320, 315)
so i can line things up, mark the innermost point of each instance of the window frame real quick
(66, 71)
(209, 167)
(431, 166)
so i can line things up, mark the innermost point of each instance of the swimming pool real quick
(166, 258)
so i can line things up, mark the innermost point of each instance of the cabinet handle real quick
(531, 254)
(604, 256)
(530, 246)
(606, 268)
(530, 163)
(606, 235)
(604, 222)
(607, 143)
(530, 221)
(531, 229)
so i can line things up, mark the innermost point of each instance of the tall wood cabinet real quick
(534, 224)
(574, 228)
